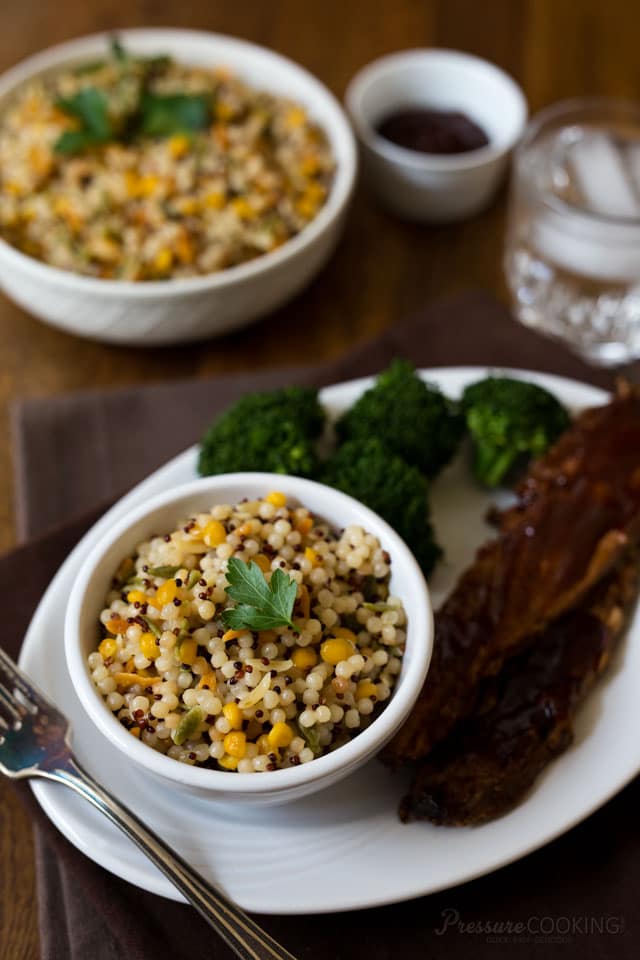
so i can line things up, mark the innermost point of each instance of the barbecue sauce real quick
(432, 131)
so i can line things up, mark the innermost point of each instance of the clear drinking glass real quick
(572, 256)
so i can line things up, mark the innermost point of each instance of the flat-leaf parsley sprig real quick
(260, 605)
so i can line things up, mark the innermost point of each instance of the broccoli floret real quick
(273, 431)
(383, 481)
(510, 422)
(410, 417)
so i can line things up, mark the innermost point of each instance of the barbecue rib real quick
(524, 717)
(578, 510)
(601, 440)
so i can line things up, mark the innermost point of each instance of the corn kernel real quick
(366, 689)
(136, 596)
(40, 160)
(179, 145)
(188, 206)
(263, 562)
(242, 208)
(214, 533)
(336, 649)
(116, 625)
(108, 647)
(235, 744)
(224, 111)
(307, 207)
(304, 525)
(345, 634)
(147, 185)
(315, 191)
(233, 713)
(135, 732)
(188, 652)
(276, 499)
(295, 117)
(208, 681)
(131, 182)
(228, 763)
(215, 200)
(185, 249)
(280, 735)
(304, 658)
(61, 206)
(148, 646)
(163, 260)
(166, 593)
(140, 186)
(309, 165)
(263, 744)
(311, 555)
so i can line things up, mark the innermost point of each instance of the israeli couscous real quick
(135, 168)
(193, 672)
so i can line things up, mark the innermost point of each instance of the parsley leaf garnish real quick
(89, 106)
(162, 116)
(260, 605)
(151, 115)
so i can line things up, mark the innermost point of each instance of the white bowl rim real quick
(414, 158)
(339, 195)
(364, 745)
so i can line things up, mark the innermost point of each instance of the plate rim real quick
(48, 795)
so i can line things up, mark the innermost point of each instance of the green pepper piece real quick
(188, 725)
(164, 572)
(310, 736)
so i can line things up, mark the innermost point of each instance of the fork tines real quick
(18, 695)
(9, 713)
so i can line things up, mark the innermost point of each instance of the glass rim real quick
(554, 111)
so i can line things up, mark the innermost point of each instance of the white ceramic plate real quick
(344, 848)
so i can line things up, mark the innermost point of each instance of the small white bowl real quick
(175, 311)
(435, 187)
(163, 513)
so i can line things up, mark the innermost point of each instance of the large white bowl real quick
(435, 187)
(163, 513)
(173, 311)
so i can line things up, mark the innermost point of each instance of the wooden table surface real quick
(383, 268)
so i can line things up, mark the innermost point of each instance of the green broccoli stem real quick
(490, 468)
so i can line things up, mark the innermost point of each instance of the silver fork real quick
(34, 742)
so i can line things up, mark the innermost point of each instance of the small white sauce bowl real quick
(435, 187)
(163, 513)
(150, 313)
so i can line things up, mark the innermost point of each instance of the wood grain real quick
(18, 906)
(382, 270)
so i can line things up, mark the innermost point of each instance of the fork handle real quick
(240, 932)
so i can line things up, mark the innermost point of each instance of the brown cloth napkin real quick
(575, 898)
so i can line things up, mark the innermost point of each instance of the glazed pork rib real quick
(596, 441)
(524, 717)
(577, 513)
